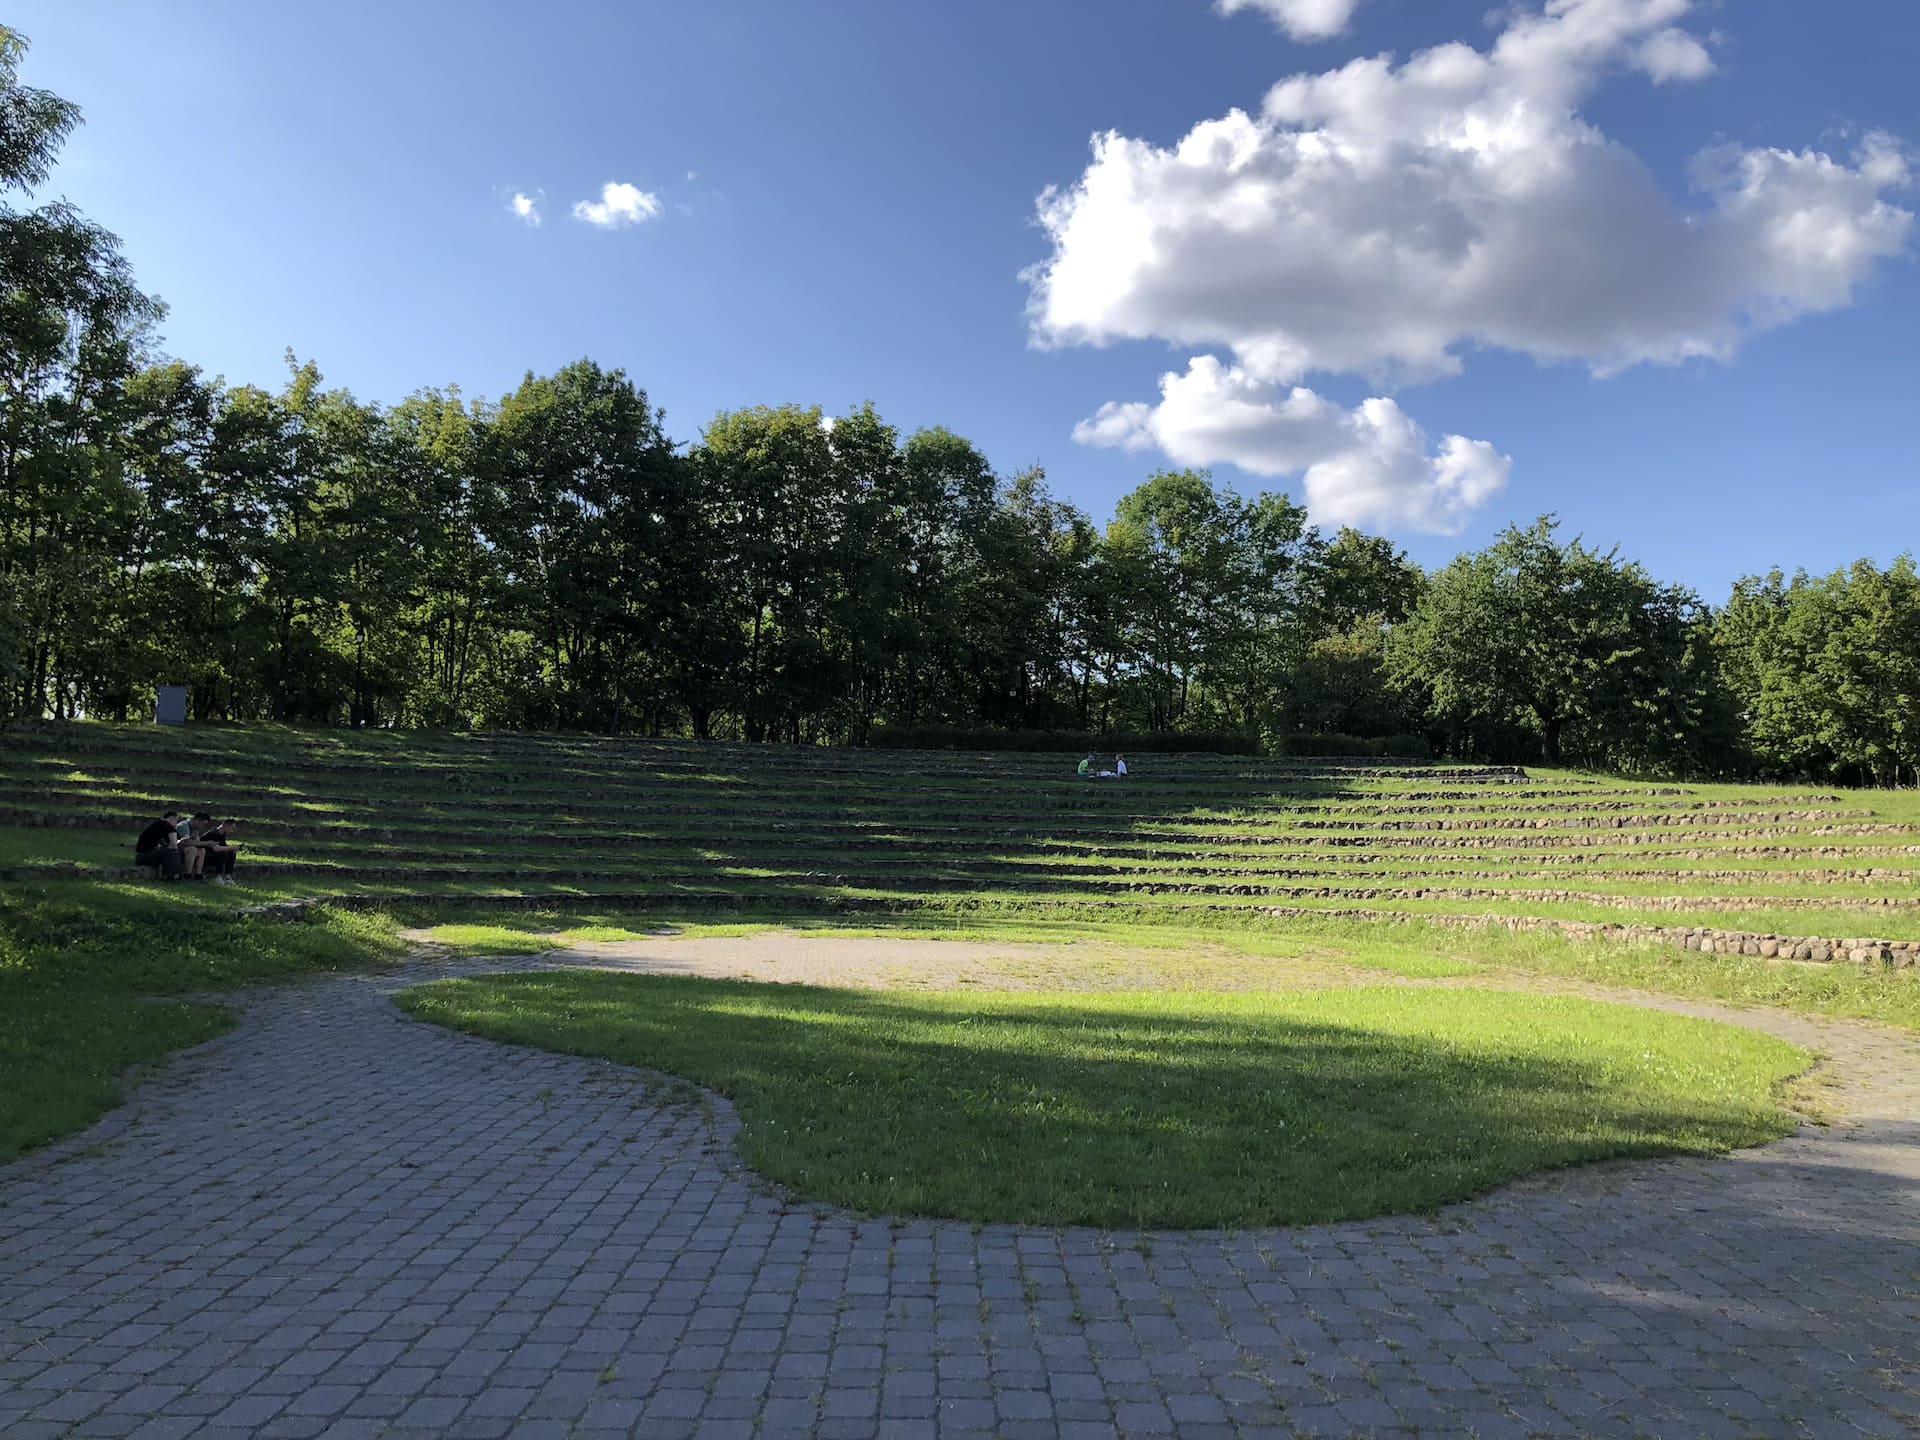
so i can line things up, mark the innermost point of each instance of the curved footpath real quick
(335, 1220)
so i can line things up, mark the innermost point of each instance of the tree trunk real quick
(752, 717)
(285, 662)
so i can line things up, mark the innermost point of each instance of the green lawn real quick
(64, 1058)
(87, 973)
(1229, 954)
(1158, 1109)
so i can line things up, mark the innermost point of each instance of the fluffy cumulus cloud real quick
(1361, 466)
(1387, 217)
(525, 206)
(620, 205)
(1302, 19)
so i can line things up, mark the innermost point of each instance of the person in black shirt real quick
(215, 846)
(159, 846)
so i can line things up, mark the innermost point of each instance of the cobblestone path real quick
(337, 1221)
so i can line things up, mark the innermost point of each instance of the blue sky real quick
(846, 195)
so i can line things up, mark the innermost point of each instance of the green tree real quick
(1569, 642)
(1018, 611)
(580, 489)
(947, 500)
(1355, 577)
(864, 588)
(1825, 671)
(72, 328)
(1209, 590)
(1170, 550)
(430, 447)
(1342, 686)
(768, 474)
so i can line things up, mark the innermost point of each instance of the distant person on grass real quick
(158, 846)
(1086, 767)
(216, 848)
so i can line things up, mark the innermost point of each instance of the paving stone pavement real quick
(337, 1221)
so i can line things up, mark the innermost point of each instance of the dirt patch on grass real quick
(887, 962)
(1873, 1078)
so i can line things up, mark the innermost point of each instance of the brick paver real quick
(337, 1221)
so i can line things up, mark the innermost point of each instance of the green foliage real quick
(1581, 648)
(1062, 742)
(1368, 747)
(1158, 1109)
(1205, 598)
(1363, 579)
(33, 123)
(1826, 671)
(1341, 686)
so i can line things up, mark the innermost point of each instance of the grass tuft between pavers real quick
(1158, 1110)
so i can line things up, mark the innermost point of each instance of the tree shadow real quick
(1169, 1112)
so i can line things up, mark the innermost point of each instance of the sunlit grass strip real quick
(1159, 1110)
(1189, 945)
(801, 898)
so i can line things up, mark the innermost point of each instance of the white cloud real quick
(1302, 19)
(1369, 466)
(1382, 218)
(1673, 54)
(527, 207)
(620, 205)
(1388, 217)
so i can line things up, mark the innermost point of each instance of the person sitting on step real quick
(217, 850)
(158, 847)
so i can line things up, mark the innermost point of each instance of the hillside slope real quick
(636, 824)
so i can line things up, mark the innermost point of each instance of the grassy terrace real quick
(624, 823)
(526, 839)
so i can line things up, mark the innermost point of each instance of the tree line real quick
(556, 560)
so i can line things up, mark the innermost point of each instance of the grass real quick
(1158, 1109)
(613, 837)
(90, 980)
(65, 1060)
(1228, 955)
(1162, 955)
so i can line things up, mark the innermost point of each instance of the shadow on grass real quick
(1157, 1111)
(80, 965)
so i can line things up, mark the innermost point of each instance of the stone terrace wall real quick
(1899, 954)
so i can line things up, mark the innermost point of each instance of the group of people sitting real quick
(1090, 768)
(179, 847)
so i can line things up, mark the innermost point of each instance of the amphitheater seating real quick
(636, 824)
